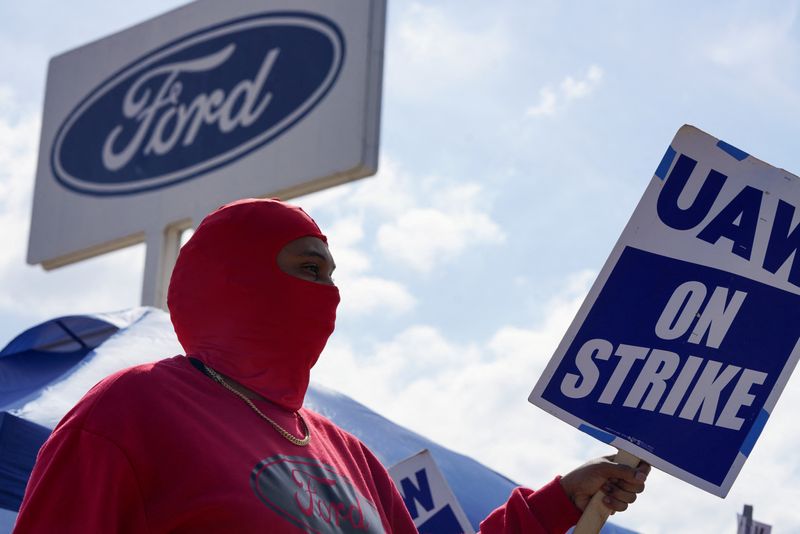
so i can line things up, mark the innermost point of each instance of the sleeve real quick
(82, 482)
(397, 516)
(545, 511)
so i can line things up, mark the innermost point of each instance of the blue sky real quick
(517, 137)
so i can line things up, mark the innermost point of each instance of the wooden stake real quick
(596, 513)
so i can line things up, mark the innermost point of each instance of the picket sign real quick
(430, 501)
(692, 329)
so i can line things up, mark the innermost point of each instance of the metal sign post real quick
(161, 253)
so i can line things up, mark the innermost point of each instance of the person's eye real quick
(312, 269)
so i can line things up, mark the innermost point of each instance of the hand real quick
(620, 483)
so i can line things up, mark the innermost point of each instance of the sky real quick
(516, 140)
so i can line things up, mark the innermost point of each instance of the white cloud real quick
(18, 144)
(572, 88)
(27, 292)
(390, 193)
(362, 292)
(547, 103)
(553, 100)
(432, 222)
(421, 221)
(762, 50)
(363, 295)
(433, 53)
(344, 236)
(425, 237)
(421, 353)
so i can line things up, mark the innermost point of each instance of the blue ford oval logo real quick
(198, 103)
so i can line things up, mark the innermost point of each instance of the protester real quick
(218, 440)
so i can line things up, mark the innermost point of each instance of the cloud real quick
(553, 100)
(421, 222)
(27, 293)
(7, 100)
(433, 53)
(548, 100)
(369, 294)
(390, 193)
(17, 156)
(432, 221)
(572, 88)
(761, 49)
(362, 292)
(344, 236)
(425, 237)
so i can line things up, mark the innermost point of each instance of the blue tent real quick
(42, 366)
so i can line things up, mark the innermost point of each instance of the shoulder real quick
(344, 439)
(123, 394)
(322, 424)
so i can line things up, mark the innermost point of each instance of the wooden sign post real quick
(596, 513)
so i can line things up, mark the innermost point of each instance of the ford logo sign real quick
(197, 103)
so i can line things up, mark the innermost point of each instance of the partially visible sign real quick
(429, 499)
(690, 332)
(163, 122)
(756, 527)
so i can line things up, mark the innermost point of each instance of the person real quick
(218, 440)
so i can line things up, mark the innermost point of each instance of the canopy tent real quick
(45, 370)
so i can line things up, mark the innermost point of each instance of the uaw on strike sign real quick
(690, 332)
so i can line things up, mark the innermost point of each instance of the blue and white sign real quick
(688, 336)
(159, 124)
(430, 501)
(198, 103)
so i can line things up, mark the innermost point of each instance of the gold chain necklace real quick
(297, 441)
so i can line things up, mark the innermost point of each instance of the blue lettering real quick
(737, 221)
(683, 219)
(783, 243)
(421, 493)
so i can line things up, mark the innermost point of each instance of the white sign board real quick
(690, 332)
(159, 124)
(430, 501)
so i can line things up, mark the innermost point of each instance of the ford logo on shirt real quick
(197, 103)
(313, 496)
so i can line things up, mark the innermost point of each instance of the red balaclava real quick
(236, 311)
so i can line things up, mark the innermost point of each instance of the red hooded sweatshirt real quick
(163, 447)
